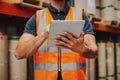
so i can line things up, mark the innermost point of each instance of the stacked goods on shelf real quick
(91, 69)
(36, 4)
(118, 12)
(18, 68)
(110, 61)
(101, 61)
(117, 9)
(47, 1)
(98, 8)
(108, 12)
(88, 5)
(81, 4)
(87, 69)
(3, 57)
(91, 7)
(118, 60)
(105, 3)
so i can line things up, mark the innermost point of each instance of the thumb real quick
(47, 28)
(82, 34)
(48, 25)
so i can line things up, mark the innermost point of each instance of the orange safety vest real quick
(46, 58)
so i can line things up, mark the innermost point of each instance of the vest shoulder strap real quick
(81, 13)
(78, 13)
(37, 20)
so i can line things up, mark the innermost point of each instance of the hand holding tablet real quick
(74, 27)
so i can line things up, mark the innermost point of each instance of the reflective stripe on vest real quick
(65, 67)
(51, 49)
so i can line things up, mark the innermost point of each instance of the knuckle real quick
(81, 39)
(64, 39)
(68, 35)
(75, 41)
(72, 44)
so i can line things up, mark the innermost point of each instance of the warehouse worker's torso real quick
(61, 15)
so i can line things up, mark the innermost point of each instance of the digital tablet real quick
(59, 26)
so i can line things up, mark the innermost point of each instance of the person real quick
(74, 50)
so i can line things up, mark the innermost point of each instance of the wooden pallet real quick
(37, 4)
(94, 18)
(112, 23)
(29, 3)
(34, 2)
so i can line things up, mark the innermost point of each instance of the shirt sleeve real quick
(30, 26)
(88, 26)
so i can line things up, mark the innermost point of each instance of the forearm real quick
(29, 47)
(89, 51)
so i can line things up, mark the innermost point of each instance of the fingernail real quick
(58, 35)
(55, 40)
(65, 32)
